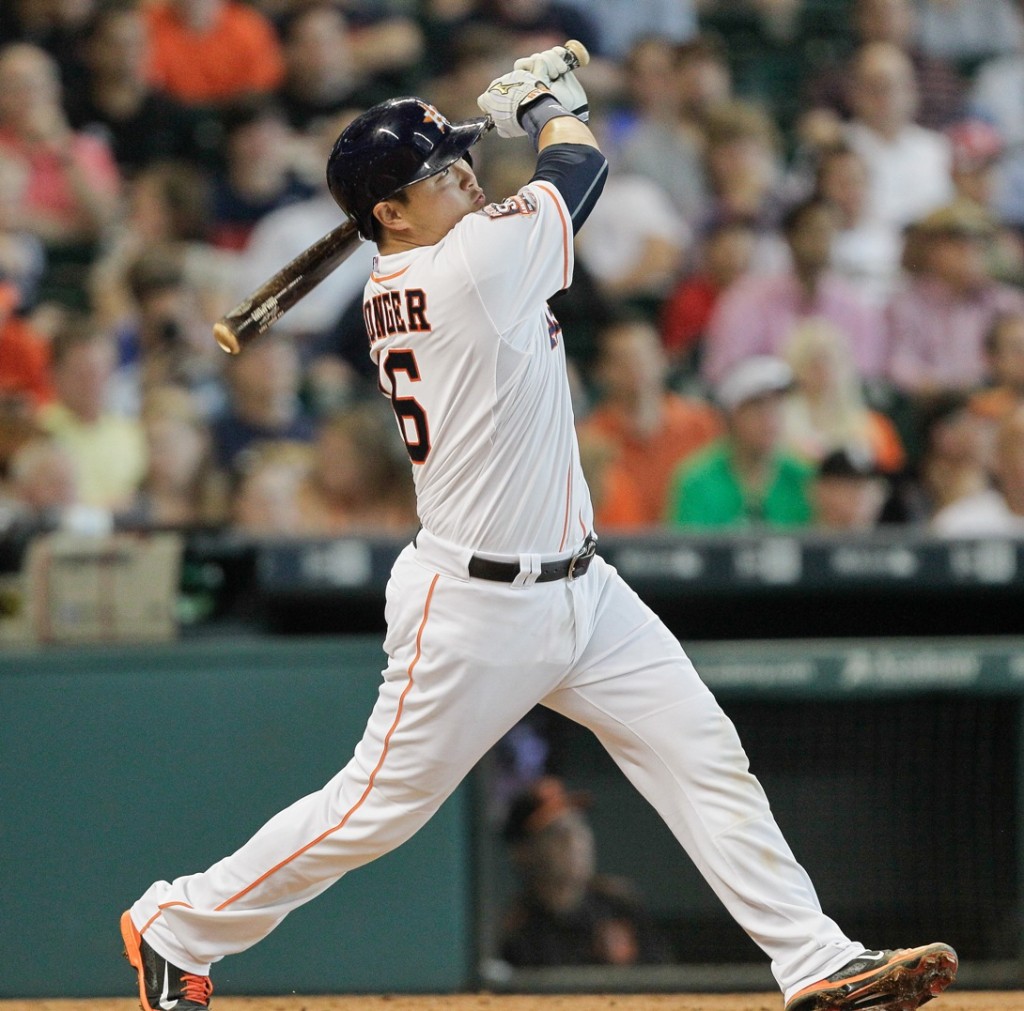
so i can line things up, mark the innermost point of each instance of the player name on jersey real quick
(384, 313)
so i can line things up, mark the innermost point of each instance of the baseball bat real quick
(257, 313)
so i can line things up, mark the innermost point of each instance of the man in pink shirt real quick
(71, 179)
(758, 313)
(939, 321)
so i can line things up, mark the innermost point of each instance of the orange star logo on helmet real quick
(431, 115)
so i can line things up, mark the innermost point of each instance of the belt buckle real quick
(580, 562)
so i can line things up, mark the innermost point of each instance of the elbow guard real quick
(578, 172)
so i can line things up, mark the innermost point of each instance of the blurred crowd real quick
(800, 302)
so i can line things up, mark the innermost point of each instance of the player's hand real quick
(551, 67)
(507, 96)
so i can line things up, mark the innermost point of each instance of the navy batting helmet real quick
(389, 147)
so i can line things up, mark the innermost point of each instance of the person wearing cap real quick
(978, 150)
(939, 320)
(848, 491)
(746, 478)
(566, 913)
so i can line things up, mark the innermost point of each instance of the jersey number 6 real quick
(412, 419)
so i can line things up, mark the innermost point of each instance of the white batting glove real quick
(506, 95)
(551, 67)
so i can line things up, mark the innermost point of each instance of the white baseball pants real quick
(467, 659)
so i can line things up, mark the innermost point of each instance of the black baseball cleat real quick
(900, 980)
(162, 986)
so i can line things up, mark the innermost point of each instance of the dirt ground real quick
(954, 1000)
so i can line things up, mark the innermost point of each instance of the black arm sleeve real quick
(578, 172)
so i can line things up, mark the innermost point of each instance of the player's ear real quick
(389, 214)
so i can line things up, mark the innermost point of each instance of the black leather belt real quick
(508, 572)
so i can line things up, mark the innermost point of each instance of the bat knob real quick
(578, 54)
(226, 338)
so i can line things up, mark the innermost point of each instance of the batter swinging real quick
(500, 601)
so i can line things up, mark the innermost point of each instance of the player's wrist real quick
(538, 113)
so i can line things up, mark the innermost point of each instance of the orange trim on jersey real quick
(583, 526)
(373, 775)
(565, 232)
(387, 277)
(565, 522)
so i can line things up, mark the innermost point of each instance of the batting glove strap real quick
(551, 68)
(534, 116)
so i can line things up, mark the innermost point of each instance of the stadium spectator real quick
(181, 488)
(998, 510)
(1004, 358)
(325, 68)
(651, 428)
(167, 206)
(566, 913)
(262, 171)
(745, 172)
(977, 176)
(141, 123)
(908, 165)
(25, 380)
(867, 252)
(827, 408)
(939, 321)
(659, 135)
(22, 254)
(73, 185)
(968, 30)
(997, 98)
(166, 339)
(758, 313)
(613, 493)
(211, 52)
(263, 402)
(56, 26)
(848, 492)
(621, 24)
(635, 242)
(723, 256)
(109, 449)
(359, 482)
(746, 478)
(473, 56)
(333, 351)
(956, 457)
(535, 25)
(940, 86)
(265, 503)
(43, 493)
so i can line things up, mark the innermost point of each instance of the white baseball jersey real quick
(474, 362)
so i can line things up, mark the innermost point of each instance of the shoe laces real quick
(197, 988)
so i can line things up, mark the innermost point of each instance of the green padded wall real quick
(122, 765)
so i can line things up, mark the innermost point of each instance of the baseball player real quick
(500, 602)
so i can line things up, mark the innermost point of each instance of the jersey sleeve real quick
(518, 253)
